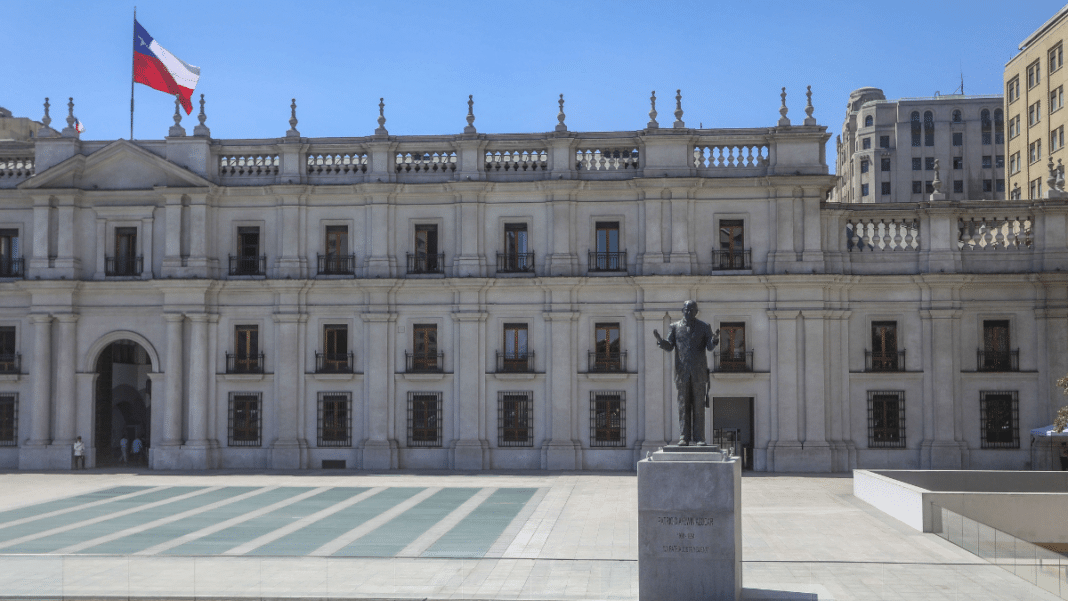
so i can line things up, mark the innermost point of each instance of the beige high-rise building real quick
(1034, 98)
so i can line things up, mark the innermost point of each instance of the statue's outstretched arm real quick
(713, 341)
(669, 343)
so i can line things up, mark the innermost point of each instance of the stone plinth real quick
(689, 525)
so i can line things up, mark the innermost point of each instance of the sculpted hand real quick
(657, 336)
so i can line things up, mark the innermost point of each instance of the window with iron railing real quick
(248, 261)
(244, 420)
(425, 356)
(731, 253)
(126, 261)
(607, 256)
(9, 419)
(515, 358)
(607, 356)
(997, 354)
(336, 357)
(247, 357)
(335, 419)
(999, 419)
(515, 419)
(337, 260)
(516, 256)
(427, 258)
(11, 263)
(608, 418)
(9, 358)
(732, 355)
(424, 419)
(884, 355)
(515, 262)
(886, 419)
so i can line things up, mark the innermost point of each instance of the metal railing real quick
(337, 264)
(415, 363)
(244, 364)
(515, 363)
(723, 260)
(606, 363)
(430, 263)
(884, 361)
(248, 265)
(998, 360)
(10, 363)
(333, 363)
(12, 267)
(515, 262)
(732, 362)
(120, 266)
(608, 261)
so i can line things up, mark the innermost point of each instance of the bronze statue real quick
(690, 338)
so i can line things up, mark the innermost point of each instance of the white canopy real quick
(1048, 431)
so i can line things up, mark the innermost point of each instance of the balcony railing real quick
(998, 360)
(244, 364)
(884, 360)
(123, 266)
(731, 259)
(10, 363)
(337, 264)
(333, 363)
(608, 261)
(515, 363)
(420, 263)
(12, 267)
(248, 265)
(515, 262)
(607, 363)
(425, 363)
(732, 362)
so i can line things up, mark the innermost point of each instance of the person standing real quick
(123, 444)
(137, 449)
(1064, 456)
(79, 454)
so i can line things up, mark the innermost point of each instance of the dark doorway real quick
(123, 404)
(732, 425)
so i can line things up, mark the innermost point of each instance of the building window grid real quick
(987, 126)
(916, 130)
(515, 419)
(917, 163)
(928, 128)
(1056, 58)
(917, 187)
(864, 189)
(335, 419)
(1014, 127)
(958, 162)
(1034, 151)
(886, 188)
(1034, 114)
(244, 420)
(1034, 74)
(886, 419)
(958, 139)
(424, 419)
(608, 418)
(958, 186)
(884, 141)
(1056, 139)
(1013, 89)
(864, 165)
(999, 126)
(999, 419)
(928, 163)
(884, 164)
(9, 420)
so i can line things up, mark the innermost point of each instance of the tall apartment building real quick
(1034, 99)
(887, 149)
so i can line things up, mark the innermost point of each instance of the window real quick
(996, 354)
(424, 419)
(1056, 99)
(886, 188)
(1035, 189)
(1034, 75)
(515, 357)
(1013, 89)
(958, 186)
(886, 419)
(1034, 113)
(999, 126)
(516, 256)
(335, 358)
(1056, 58)
(9, 419)
(1014, 127)
(999, 419)
(987, 161)
(884, 141)
(1056, 139)
(1014, 162)
(884, 164)
(732, 355)
(515, 419)
(999, 161)
(917, 187)
(928, 186)
(125, 262)
(606, 355)
(884, 353)
(987, 126)
(337, 260)
(426, 259)
(245, 420)
(915, 119)
(866, 143)
(1034, 151)
(248, 260)
(928, 128)
(864, 189)
(869, 121)
(864, 166)
(917, 164)
(9, 358)
(988, 185)
(247, 358)
(607, 257)
(999, 185)
(1016, 193)
(10, 257)
(958, 138)
(425, 356)
(956, 116)
(335, 419)
(958, 162)
(928, 163)
(608, 419)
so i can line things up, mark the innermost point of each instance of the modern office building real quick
(888, 148)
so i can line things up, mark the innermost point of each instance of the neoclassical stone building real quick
(487, 302)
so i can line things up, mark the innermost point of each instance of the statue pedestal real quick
(689, 525)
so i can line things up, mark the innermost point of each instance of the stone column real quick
(41, 414)
(195, 451)
(656, 366)
(380, 447)
(471, 451)
(816, 453)
(286, 449)
(940, 448)
(787, 367)
(172, 396)
(172, 242)
(562, 451)
(146, 246)
(39, 251)
(65, 403)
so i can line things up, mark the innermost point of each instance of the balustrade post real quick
(939, 234)
(662, 152)
(294, 167)
(562, 156)
(382, 156)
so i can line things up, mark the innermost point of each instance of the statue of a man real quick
(690, 338)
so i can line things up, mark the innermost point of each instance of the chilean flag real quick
(161, 70)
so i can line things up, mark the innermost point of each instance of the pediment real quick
(120, 165)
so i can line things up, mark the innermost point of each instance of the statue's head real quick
(689, 310)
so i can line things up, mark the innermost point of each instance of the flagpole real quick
(132, 74)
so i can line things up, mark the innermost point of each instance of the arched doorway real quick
(123, 403)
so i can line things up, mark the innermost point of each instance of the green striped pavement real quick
(59, 504)
(476, 533)
(388, 539)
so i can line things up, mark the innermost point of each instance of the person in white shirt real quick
(123, 444)
(79, 454)
(136, 448)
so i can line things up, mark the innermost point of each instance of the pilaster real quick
(288, 451)
(471, 449)
(379, 447)
(562, 451)
(65, 405)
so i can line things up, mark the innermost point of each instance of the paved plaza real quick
(405, 535)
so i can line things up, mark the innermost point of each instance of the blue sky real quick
(337, 58)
